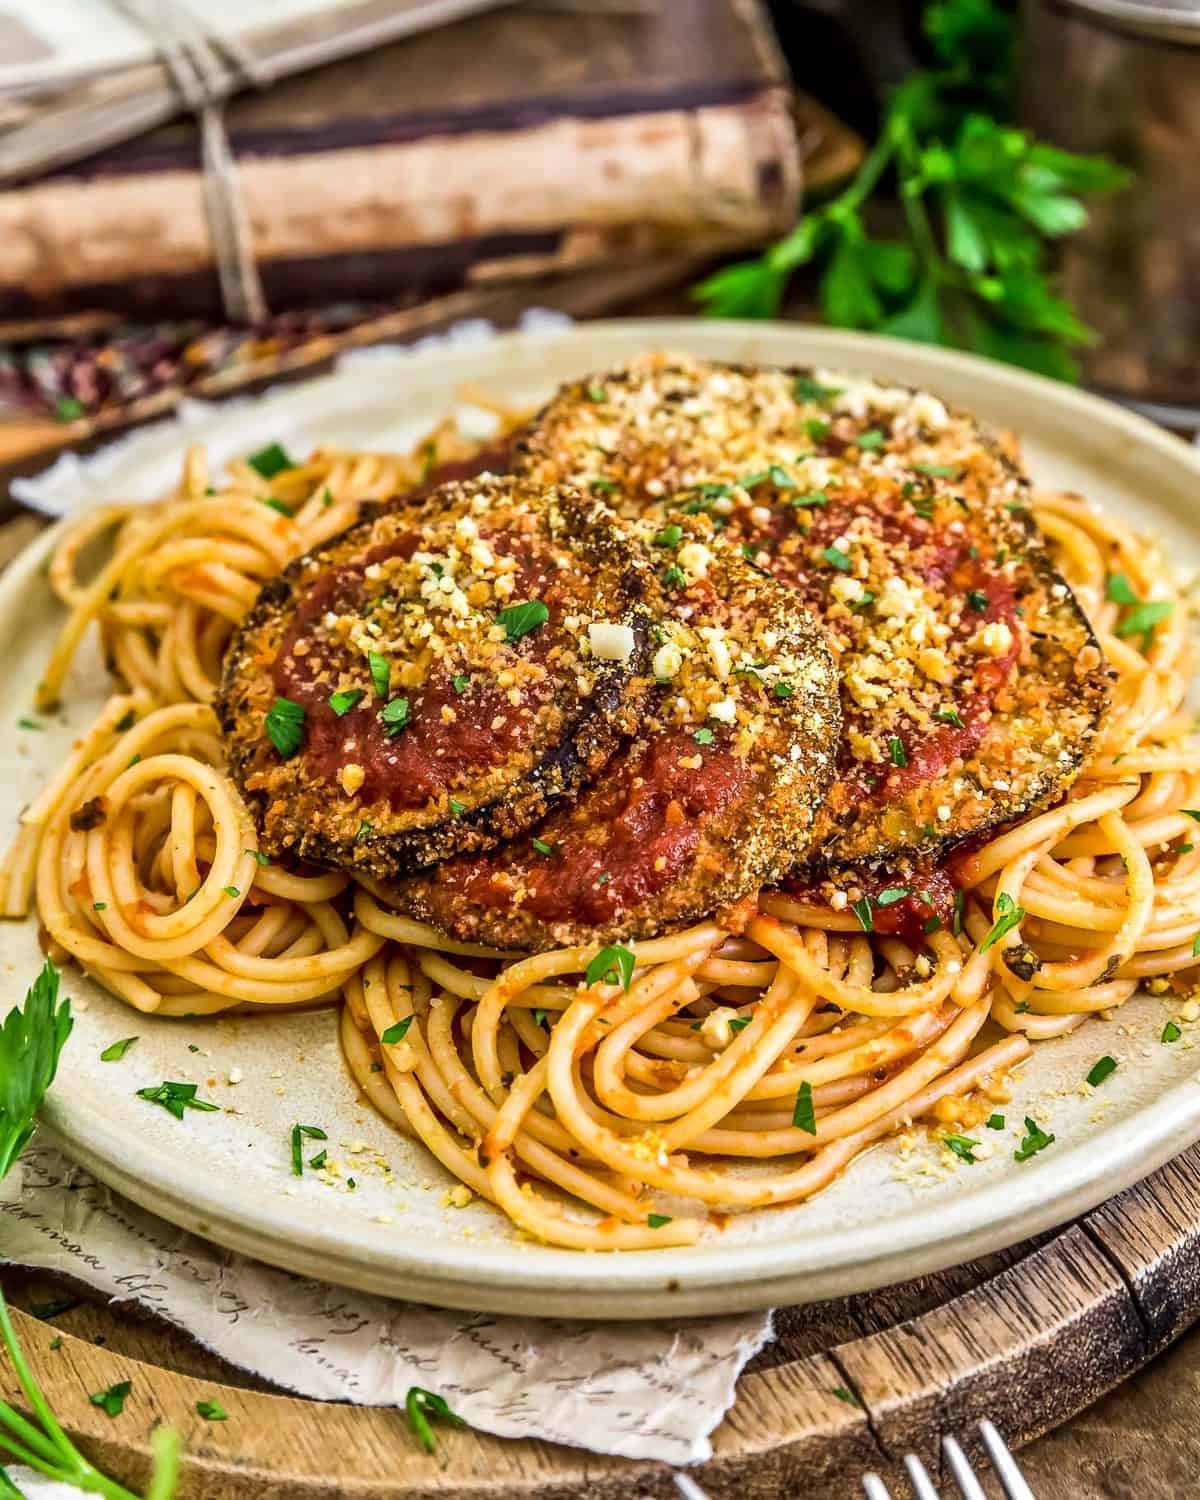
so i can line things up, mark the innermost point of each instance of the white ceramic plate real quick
(227, 1176)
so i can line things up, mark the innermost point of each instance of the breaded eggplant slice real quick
(717, 796)
(972, 685)
(427, 682)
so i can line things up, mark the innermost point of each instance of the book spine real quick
(413, 217)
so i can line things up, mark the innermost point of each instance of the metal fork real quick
(1012, 1481)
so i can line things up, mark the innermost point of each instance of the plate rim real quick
(712, 1278)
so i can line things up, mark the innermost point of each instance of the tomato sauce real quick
(627, 839)
(449, 734)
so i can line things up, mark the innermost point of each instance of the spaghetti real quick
(600, 1104)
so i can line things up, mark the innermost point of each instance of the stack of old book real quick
(536, 153)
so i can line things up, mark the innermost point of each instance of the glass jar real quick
(1122, 77)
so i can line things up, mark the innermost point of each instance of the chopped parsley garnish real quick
(892, 894)
(780, 478)
(284, 510)
(271, 460)
(364, 830)
(521, 619)
(1142, 620)
(299, 1132)
(457, 807)
(1010, 915)
(99, 905)
(784, 690)
(703, 736)
(995, 1122)
(258, 856)
(1196, 946)
(395, 715)
(897, 751)
(612, 965)
(420, 1405)
(962, 1146)
(865, 598)
(949, 716)
(837, 558)
(1034, 1140)
(397, 1033)
(750, 551)
(211, 1411)
(318, 1161)
(24, 722)
(714, 491)
(739, 1023)
(656, 1221)
(1191, 812)
(596, 393)
(118, 1050)
(1118, 590)
(924, 506)
(112, 1401)
(804, 1116)
(1101, 1069)
(872, 438)
(285, 726)
(847, 1396)
(806, 388)
(862, 910)
(669, 536)
(381, 673)
(602, 486)
(1170, 1032)
(977, 600)
(460, 682)
(939, 471)
(959, 901)
(817, 430)
(342, 703)
(931, 924)
(543, 847)
(175, 1098)
(812, 498)
(326, 498)
(68, 409)
(674, 577)
(232, 890)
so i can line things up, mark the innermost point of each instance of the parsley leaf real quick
(897, 751)
(299, 1132)
(175, 1098)
(962, 1146)
(381, 673)
(669, 536)
(342, 703)
(211, 1411)
(271, 460)
(420, 1405)
(656, 1221)
(1170, 1032)
(1101, 1069)
(995, 1122)
(395, 715)
(612, 965)
(872, 438)
(285, 726)
(1010, 915)
(703, 736)
(1118, 590)
(112, 1401)
(892, 894)
(397, 1032)
(837, 558)
(1142, 619)
(1034, 1140)
(521, 619)
(118, 1050)
(804, 1116)
(30, 1043)
(862, 910)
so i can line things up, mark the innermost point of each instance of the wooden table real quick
(1034, 1337)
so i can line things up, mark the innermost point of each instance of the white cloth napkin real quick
(652, 1390)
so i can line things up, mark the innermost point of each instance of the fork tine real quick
(874, 1488)
(1011, 1478)
(688, 1488)
(919, 1478)
(964, 1475)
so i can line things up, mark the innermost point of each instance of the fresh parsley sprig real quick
(981, 201)
(30, 1043)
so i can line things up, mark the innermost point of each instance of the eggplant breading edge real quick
(973, 685)
(446, 669)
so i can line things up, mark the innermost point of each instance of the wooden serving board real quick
(1028, 1338)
